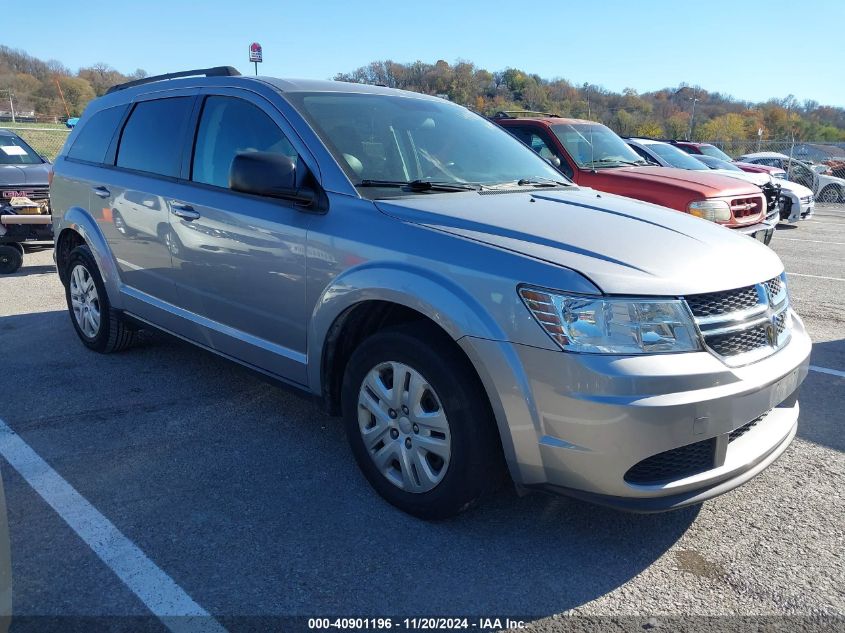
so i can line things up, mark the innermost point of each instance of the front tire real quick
(98, 325)
(419, 423)
(11, 259)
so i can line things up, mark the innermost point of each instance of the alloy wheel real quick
(85, 301)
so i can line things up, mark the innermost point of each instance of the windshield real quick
(715, 152)
(13, 151)
(594, 145)
(382, 140)
(676, 157)
(717, 163)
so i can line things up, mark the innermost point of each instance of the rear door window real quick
(152, 138)
(96, 135)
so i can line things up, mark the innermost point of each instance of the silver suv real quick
(464, 306)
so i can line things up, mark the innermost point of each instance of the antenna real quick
(592, 147)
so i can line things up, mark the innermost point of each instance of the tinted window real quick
(96, 135)
(229, 126)
(645, 155)
(152, 138)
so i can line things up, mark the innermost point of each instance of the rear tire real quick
(831, 193)
(98, 325)
(440, 405)
(11, 259)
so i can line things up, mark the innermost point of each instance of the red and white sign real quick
(255, 52)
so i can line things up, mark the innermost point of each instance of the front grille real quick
(806, 199)
(738, 342)
(32, 193)
(773, 287)
(748, 319)
(744, 208)
(738, 433)
(717, 303)
(674, 464)
(780, 323)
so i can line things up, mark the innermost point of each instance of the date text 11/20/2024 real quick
(424, 623)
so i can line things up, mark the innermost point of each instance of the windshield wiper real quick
(542, 182)
(420, 185)
(620, 161)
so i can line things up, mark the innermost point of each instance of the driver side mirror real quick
(268, 174)
(555, 161)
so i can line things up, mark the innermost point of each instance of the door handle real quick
(101, 191)
(184, 211)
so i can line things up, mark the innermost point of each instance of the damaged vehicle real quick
(24, 199)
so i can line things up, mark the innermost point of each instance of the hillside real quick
(665, 112)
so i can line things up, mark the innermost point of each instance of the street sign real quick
(255, 52)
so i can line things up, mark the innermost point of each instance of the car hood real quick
(34, 175)
(757, 178)
(709, 184)
(799, 190)
(623, 246)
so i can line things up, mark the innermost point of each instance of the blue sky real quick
(646, 45)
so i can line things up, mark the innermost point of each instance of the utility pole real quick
(11, 104)
(694, 99)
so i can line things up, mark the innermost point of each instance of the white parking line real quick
(825, 370)
(815, 276)
(795, 239)
(167, 600)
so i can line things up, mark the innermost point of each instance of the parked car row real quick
(460, 302)
(794, 201)
(592, 155)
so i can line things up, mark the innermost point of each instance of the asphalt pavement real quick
(245, 496)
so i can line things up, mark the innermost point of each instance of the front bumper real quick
(579, 423)
(760, 227)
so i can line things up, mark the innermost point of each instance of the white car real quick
(796, 201)
(826, 188)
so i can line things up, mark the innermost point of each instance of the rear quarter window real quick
(94, 138)
(153, 136)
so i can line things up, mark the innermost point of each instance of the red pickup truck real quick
(592, 155)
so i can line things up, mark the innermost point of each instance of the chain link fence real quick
(46, 140)
(819, 166)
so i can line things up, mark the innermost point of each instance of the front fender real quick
(436, 297)
(79, 220)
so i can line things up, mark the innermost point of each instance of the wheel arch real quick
(369, 298)
(78, 227)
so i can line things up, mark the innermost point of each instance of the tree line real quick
(662, 113)
(55, 92)
(50, 89)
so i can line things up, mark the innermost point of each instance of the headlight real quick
(599, 325)
(713, 210)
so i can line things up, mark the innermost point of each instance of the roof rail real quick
(217, 71)
(515, 114)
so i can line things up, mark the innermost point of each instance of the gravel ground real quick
(246, 495)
